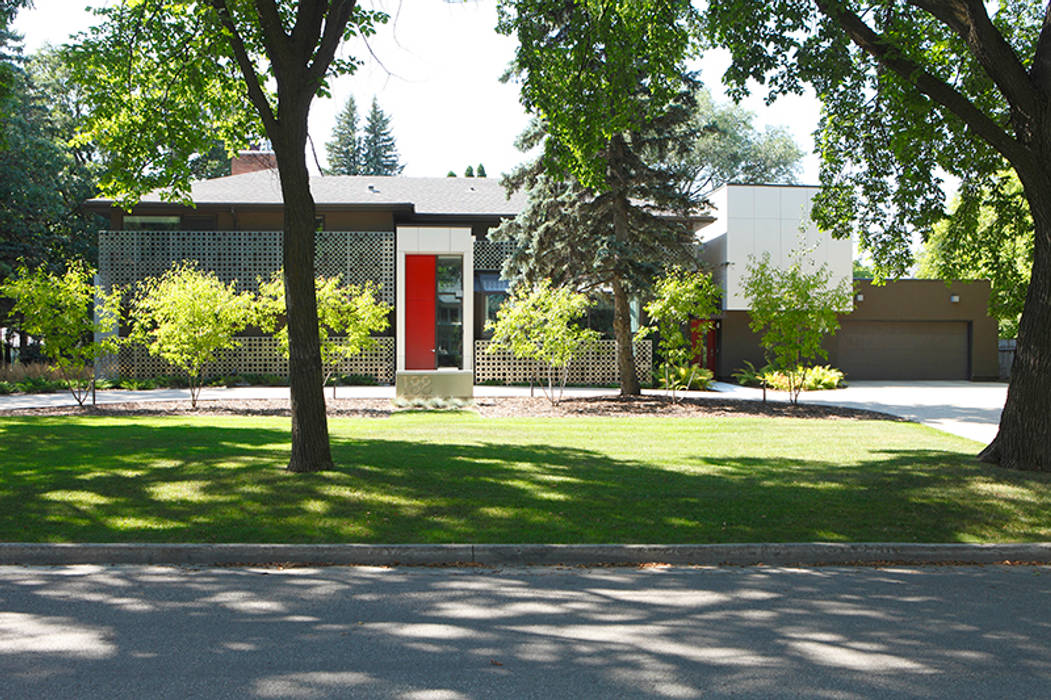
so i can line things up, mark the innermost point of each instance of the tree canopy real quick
(42, 181)
(987, 235)
(912, 89)
(729, 148)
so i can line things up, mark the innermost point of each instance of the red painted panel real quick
(420, 302)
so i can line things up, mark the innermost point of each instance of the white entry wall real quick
(433, 240)
(756, 219)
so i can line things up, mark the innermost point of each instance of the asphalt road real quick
(163, 632)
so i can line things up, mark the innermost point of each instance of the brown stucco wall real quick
(249, 218)
(921, 304)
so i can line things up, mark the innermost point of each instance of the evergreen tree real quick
(345, 148)
(450, 174)
(469, 172)
(379, 153)
(480, 172)
(567, 233)
(609, 80)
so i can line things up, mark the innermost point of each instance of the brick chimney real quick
(251, 161)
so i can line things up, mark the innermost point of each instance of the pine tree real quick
(379, 153)
(469, 172)
(345, 148)
(480, 172)
(567, 232)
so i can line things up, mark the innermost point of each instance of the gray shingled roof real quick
(429, 195)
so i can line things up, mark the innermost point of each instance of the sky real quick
(435, 69)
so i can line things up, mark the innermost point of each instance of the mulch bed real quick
(503, 407)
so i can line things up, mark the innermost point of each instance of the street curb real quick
(804, 554)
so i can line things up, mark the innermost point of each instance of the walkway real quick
(969, 409)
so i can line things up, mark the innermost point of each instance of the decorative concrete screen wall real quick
(598, 366)
(259, 355)
(490, 255)
(128, 256)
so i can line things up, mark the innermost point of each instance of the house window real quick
(151, 223)
(493, 302)
(449, 340)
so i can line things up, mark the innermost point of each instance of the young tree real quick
(345, 149)
(164, 78)
(987, 235)
(911, 89)
(186, 316)
(379, 152)
(540, 323)
(601, 74)
(67, 314)
(681, 298)
(480, 171)
(469, 171)
(450, 174)
(347, 318)
(794, 308)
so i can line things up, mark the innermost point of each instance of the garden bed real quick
(488, 407)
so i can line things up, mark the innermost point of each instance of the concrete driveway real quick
(968, 409)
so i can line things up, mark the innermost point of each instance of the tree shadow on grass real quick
(92, 480)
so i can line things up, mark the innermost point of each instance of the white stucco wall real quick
(753, 219)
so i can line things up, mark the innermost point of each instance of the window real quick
(151, 223)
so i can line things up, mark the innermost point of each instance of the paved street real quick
(156, 632)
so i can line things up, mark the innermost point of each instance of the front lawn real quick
(461, 478)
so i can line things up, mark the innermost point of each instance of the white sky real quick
(439, 85)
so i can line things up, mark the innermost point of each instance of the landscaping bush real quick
(677, 378)
(816, 378)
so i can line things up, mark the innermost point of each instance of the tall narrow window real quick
(449, 339)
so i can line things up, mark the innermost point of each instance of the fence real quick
(1007, 357)
(595, 367)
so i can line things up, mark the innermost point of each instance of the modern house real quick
(904, 329)
(424, 240)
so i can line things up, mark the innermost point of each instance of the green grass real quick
(459, 478)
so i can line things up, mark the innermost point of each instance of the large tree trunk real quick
(629, 380)
(310, 446)
(1024, 439)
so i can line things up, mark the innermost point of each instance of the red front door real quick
(420, 301)
(710, 344)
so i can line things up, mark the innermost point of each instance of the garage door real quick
(903, 350)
